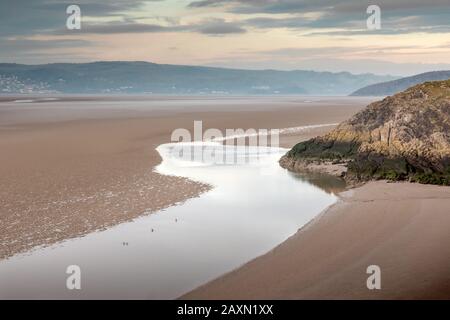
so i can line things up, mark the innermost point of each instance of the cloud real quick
(25, 17)
(219, 27)
(22, 17)
(207, 3)
(345, 26)
(48, 17)
(302, 6)
(117, 28)
(208, 27)
(40, 51)
(427, 16)
(20, 45)
(331, 51)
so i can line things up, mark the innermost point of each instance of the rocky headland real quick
(402, 137)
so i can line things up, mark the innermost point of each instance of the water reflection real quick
(329, 183)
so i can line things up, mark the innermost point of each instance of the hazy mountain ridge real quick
(144, 77)
(403, 137)
(392, 87)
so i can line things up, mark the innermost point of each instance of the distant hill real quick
(395, 86)
(144, 77)
(402, 137)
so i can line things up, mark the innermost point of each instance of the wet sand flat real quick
(78, 164)
(400, 227)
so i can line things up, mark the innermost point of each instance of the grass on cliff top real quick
(364, 167)
(324, 150)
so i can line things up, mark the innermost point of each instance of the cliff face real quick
(406, 136)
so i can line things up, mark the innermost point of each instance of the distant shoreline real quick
(45, 97)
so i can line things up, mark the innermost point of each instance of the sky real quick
(321, 35)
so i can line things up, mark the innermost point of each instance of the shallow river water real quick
(253, 206)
